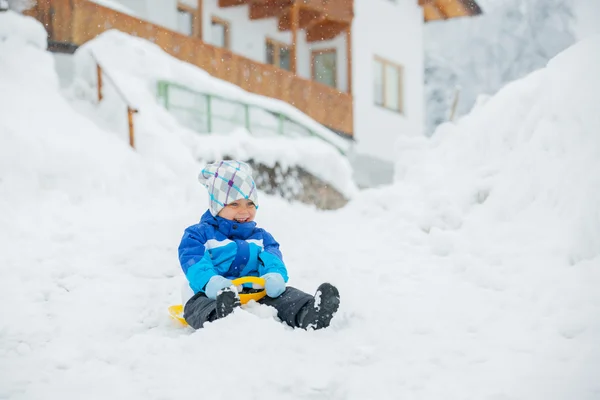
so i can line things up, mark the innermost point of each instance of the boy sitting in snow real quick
(226, 244)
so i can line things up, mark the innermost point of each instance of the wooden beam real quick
(199, 22)
(315, 22)
(307, 16)
(431, 13)
(325, 30)
(232, 3)
(295, 20)
(441, 7)
(445, 9)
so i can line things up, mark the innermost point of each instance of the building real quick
(355, 66)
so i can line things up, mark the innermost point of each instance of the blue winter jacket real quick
(218, 246)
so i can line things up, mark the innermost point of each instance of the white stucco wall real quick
(394, 31)
(163, 12)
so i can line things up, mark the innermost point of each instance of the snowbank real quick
(529, 158)
(39, 127)
(137, 65)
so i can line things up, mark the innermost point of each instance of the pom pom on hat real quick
(227, 181)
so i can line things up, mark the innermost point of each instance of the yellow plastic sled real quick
(176, 311)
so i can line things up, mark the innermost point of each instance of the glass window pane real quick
(217, 34)
(378, 82)
(284, 58)
(270, 53)
(392, 87)
(184, 22)
(325, 68)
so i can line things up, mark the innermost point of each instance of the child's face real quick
(239, 210)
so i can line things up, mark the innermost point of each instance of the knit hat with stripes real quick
(227, 181)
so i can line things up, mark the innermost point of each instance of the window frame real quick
(400, 69)
(185, 8)
(316, 52)
(214, 20)
(277, 46)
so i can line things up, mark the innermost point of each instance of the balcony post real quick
(199, 20)
(295, 22)
(99, 81)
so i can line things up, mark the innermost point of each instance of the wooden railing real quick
(78, 21)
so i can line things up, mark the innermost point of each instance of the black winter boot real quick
(227, 300)
(319, 311)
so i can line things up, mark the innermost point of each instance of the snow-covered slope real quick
(137, 66)
(475, 276)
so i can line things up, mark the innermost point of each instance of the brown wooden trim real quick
(441, 8)
(185, 7)
(196, 13)
(295, 15)
(314, 54)
(400, 69)
(214, 20)
(445, 9)
(232, 3)
(196, 22)
(200, 19)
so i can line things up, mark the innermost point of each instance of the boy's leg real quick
(288, 304)
(199, 309)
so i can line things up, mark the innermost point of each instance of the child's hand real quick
(215, 284)
(274, 284)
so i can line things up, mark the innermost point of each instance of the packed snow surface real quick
(474, 276)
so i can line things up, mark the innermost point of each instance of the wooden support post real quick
(349, 57)
(454, 104)
(295, 22)
(130, 112)
(99, 75)
(199, 21)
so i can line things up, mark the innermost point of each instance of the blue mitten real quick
(215, 284)
(274, 284)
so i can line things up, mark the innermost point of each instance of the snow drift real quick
(527, 159)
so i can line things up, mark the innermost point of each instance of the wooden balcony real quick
(74, 22)
(322, 19)
(434, 10)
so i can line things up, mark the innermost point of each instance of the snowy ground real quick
(475, 276)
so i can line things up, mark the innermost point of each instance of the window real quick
(185, 19)
(324, 66)
(387, 84)
(219, 32)
(278, 54)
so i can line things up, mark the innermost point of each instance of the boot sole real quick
(227, 301)
(328, 299)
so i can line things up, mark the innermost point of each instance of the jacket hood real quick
(229, 228)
